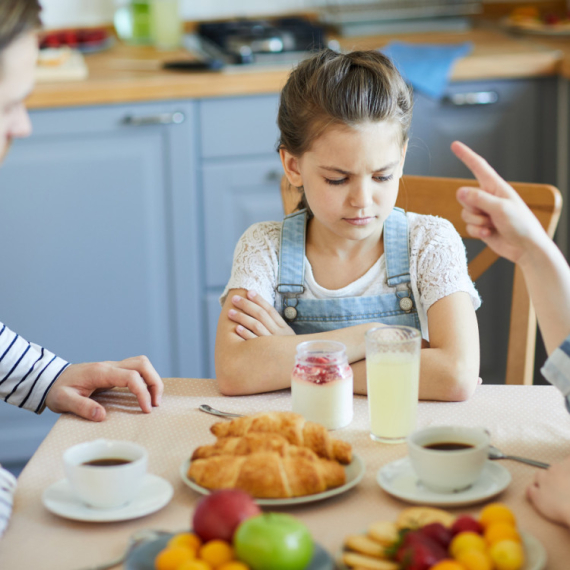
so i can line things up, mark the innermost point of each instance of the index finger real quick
(486, 175)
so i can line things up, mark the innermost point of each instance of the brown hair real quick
(16, 18)
(331, 88)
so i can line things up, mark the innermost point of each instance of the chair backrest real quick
(436, 196)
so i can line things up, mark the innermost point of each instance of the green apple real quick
(274, 541)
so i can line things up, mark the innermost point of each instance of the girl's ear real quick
(403, 158)
(291, 168)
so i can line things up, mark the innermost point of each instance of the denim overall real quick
(318, 315)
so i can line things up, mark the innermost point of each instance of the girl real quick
(347, 260)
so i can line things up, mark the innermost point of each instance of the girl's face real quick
(18, 63)
(351, 177)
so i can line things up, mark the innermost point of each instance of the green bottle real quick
(141, 21)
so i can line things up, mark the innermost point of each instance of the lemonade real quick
(393, 383)
(166, 25)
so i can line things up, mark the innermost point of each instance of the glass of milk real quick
(392, 378)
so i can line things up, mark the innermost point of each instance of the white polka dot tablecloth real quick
(529, 421)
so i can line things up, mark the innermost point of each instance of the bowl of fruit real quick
(230, 532)
(426, 538)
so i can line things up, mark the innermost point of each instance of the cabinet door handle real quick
(472, 98)
(161, 119)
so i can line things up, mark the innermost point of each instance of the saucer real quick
(60, 499)
(399, 479)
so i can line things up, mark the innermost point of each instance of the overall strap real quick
(397, 248)
(292, 254)
(397, 252)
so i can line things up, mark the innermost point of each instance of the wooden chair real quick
(436, 196)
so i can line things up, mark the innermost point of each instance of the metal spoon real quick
(495, 453)
(214, 412)
(138, 537)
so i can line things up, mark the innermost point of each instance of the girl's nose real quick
(21, 126)
(361, 194)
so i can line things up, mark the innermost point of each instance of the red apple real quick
(219, 514)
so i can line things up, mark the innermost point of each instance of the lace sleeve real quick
(256, 261)
(438, 260)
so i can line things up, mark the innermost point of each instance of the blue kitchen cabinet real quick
(100, 233)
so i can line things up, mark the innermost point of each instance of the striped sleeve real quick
(27, 371)
(7, 490)
(557, 369)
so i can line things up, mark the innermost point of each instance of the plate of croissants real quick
(277, 457)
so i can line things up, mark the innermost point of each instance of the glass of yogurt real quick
(321, 384)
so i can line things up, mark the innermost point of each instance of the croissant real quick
(267, 474)
(250, 443)
(293, 427)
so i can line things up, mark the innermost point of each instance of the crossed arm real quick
(255, 348)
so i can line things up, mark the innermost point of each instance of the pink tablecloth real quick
(524, 420)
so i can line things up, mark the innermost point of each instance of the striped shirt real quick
(7, 490)
(557, 370)
(27, 371)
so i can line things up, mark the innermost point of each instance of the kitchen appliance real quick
(283, 41)
(372, 17)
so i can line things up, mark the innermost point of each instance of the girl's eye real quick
(383, 178)
(336, 182)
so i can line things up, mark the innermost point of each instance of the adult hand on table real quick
(72, 390)
(550, 492)
(256, 317)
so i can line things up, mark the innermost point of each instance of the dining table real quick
(529, 421)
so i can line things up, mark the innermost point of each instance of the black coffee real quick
(107, 462)
(448, 446)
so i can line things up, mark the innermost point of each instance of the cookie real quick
(384, 532)
(364, 545)
(416, 517)
(363, 562)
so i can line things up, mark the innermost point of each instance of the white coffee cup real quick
(447, 471)
(107, 486)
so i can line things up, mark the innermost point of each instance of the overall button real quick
(406, 304)
(290, 313)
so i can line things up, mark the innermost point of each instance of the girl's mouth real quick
(360, 221)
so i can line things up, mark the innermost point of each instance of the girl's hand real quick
(256, 317)
(550, 492)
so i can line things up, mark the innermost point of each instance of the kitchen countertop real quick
(126, 73)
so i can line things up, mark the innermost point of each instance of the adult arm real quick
(7, 490)
(32, 377)
(497, 215)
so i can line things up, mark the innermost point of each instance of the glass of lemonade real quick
(166, 24)
(392, 378)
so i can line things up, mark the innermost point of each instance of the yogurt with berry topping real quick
(322, 384)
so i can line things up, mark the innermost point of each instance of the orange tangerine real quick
(467, 540)
(447, 565)
(501, 531)
(187, 539)
(194, 565)
(473, 559)
(172, 557)
(507, 555)
(496, 512)
(234, 565)
(216, 552)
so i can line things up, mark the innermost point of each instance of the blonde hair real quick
(16, 18)
(331, 88)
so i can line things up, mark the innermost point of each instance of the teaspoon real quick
(495, 453)
(214, 412)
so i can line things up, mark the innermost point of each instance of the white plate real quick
(142, 556)
(354, 473)
(535, 554)
(60, 499)
(399, 479)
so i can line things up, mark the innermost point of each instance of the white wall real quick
(61, 13)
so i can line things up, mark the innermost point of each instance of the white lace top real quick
(438, 266)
